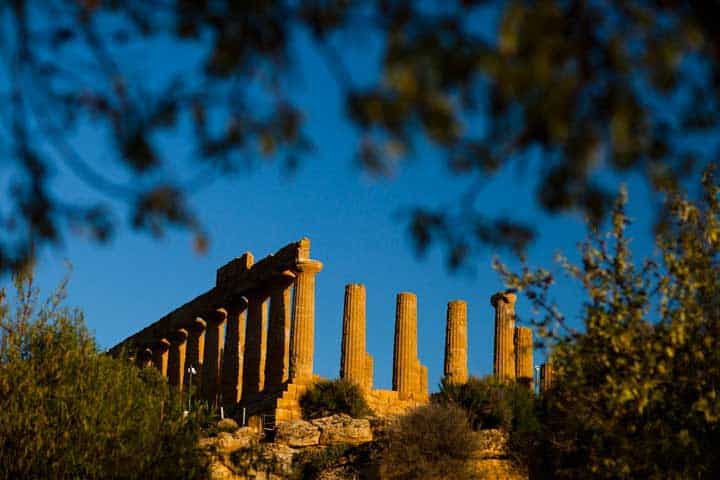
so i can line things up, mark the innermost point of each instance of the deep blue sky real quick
(354, 226)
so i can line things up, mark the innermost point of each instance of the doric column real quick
(144, 357)
(546, 377)
(160, 355)
(211, 361)
(354, 359)
(455, 370)
(406, 371)
(524, 356)
(253, 378)
(194, 352)
(504, 351)
(302, 342)
(277, 364)
(176, 358)
(233, 354)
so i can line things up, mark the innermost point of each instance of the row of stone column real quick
(513, 346)
(356, 365)
(255, 356)
(513, 349)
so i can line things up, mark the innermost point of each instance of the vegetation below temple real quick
(635, 395)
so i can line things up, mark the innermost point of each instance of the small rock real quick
(229, 442)
(283, 455)
(218, 471)
(343, 429)
(227, 425)
(297, 433)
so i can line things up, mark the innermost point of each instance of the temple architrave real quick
(248, 342)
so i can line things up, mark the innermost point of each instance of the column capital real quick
(282, 281)
(179, 335)
(217, 316)
(163, 344)
(198, 325)
(507, 296)
(308, 266)
(239, 304)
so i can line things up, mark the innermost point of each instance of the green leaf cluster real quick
(330, 397)
(431, 441)
(70, 411)
(636, 391)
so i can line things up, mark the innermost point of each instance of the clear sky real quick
(352, 220)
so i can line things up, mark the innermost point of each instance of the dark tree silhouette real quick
(569, 89)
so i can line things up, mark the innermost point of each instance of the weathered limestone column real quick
(546, 377)
(160, 356)
(504, 351)
(233, 354)
(456, 370)
(144, 358)
(277, 364)
(302, 343)
(253, 378)
(176, 358)
(524, 356)
(194, 351)
(354, 359)
(214, 333)
(406, 368)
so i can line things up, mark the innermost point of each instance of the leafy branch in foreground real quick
(554, 88)
(69, 411)
(638, 381)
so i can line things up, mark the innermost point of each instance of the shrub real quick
(69, 411)
(635, 392)
(330, 397)
(432, 441)
(489, 404)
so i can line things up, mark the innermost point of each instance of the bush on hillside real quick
(432, 441)
(330, 397)
(635, 391)
(490, 404)
(69, 411)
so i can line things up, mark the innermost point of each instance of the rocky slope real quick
(332, 448)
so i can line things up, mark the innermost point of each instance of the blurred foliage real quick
(431, 441)
(330, 397)
(635, 393)
(568, 91)
(69, 411)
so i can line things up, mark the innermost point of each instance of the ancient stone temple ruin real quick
(248, 342)
(513, 347)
